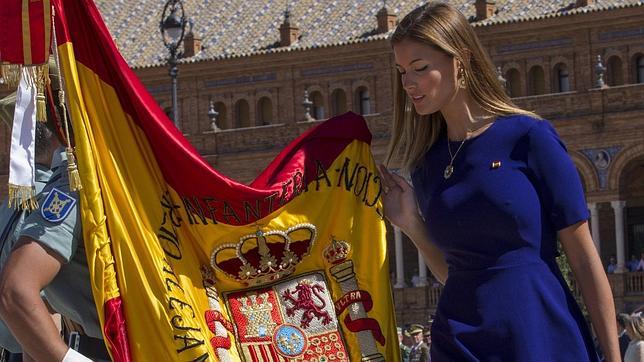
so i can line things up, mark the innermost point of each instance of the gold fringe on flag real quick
(22, 197)
(11, 74)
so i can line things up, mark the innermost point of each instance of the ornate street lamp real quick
(172, 26)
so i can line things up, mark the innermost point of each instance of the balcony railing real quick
(626, 285)
(634, 283)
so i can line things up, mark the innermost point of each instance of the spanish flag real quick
(188, 265)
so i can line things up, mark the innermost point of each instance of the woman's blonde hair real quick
(635, 322)
(444, 28)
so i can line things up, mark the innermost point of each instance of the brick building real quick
(253, 64)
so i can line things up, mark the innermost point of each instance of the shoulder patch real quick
(57, 205)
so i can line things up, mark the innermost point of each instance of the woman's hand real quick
(401, 209)
(399, 200)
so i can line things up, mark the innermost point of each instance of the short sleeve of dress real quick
(556, 177)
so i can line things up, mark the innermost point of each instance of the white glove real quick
(73, 356)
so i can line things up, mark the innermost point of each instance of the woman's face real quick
(429, 76)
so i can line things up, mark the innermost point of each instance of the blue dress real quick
(496, 221)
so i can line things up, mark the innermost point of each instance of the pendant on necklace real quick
(448, 171)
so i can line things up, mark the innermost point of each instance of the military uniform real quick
(57, 226)
(419, 353)
(404, 352)
(11, 222)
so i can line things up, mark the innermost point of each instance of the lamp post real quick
(172, 26)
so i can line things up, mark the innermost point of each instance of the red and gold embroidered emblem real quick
(265, 256)
(355, 302)
(293, 320)
(217, 323)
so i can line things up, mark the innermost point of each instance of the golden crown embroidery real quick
(265, 256)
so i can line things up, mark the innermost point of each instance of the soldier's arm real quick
(30, 267)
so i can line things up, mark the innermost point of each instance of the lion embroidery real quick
(305, 291)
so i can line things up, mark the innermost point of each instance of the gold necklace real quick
(449, 170)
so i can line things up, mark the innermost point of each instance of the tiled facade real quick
(547, 51)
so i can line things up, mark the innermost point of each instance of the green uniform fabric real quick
(419, 353)
(11, 222)
(70, 293)
(404, 352)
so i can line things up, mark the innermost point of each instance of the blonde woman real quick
(496, 189)
(635, 331)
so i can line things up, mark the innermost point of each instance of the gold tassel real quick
(11, 74)
(72, 169)
(39, 78)
(41, 107)
(22, 197)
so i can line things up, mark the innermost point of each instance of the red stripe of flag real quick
(182, 166)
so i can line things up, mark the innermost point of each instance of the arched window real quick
(318, 105)
(264, 111)
(536, 81)
(222, 117)
(242, 114)
(614, 71)
(363, 101)
(561, 78)
(513, 84)
(338, 102)
(639, 68)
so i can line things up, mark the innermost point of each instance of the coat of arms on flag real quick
(291, 320)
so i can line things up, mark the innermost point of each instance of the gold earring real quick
(461, 78)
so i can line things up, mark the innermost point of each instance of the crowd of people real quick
(630, 335)
(415, 339)
(415, 342)
(632, 265)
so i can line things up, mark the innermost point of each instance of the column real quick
(400, 260)
(618, 207)
(422, 271)
(594, 225)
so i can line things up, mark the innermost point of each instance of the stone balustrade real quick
(417, 305)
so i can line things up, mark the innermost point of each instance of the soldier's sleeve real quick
(424, 356)
(56, 224)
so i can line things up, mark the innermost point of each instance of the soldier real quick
(49, 256)
(419, 351)
(404, 349)
(12, 219)
(427, 338)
